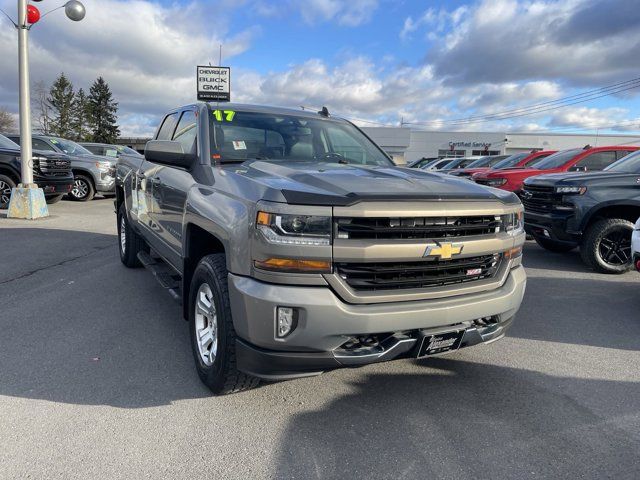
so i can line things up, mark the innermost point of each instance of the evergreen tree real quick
(80, 121)
(102, 110)
(60, 100)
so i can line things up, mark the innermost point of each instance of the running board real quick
(165, 277)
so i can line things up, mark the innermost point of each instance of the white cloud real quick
(585, 42)
(145, 51)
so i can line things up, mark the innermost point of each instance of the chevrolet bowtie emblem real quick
(443, 250)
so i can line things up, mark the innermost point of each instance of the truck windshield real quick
(69, 147)
(557, 159)
(6, 143)
(511, 161)
(628, 164)
(239, 136)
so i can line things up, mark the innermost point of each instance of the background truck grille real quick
(539, 199)
(416, 227)
(434, 273)
(53, 167)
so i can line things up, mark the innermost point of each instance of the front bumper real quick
(554, 226)
(54, 186)
(106, 182)
(325, 323)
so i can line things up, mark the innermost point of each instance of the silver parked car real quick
(93, 173)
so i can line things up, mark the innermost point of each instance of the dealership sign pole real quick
(27, 200)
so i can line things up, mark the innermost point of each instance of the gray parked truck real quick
(296, 246)
(92, 173)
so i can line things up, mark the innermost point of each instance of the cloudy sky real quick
(435, 64)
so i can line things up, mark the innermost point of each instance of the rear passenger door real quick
(596, 161)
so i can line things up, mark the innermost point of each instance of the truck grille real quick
(424, 274)
(538, 199)
(53, 166)
(390, 228)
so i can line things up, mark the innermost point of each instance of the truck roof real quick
(245, 107)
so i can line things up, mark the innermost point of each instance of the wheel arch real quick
(628, 210)
(10, 172)
(198, 242)
(85, 173)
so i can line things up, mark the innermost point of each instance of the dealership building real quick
(406, 145)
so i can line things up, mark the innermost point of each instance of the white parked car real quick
(635, 245)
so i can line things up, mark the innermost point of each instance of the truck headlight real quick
(103, 166)
(294, 229)
(494, 182)
(571, 190)
(513, 222)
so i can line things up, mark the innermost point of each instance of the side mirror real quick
(167, 152)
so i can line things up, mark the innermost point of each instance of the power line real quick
(541, 107)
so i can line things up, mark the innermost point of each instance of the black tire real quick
(596, 252)
(553, 246)
(222, 375)
(132, 244)
(83, 189)
(6, 185)
(52, 200)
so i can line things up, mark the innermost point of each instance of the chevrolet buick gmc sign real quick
(214, 83)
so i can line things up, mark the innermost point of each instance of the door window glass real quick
(41, 145)
(186, 131)
(168, 126)
(596, 161)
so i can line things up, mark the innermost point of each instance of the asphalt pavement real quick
(97, 381)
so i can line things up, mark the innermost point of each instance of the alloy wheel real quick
(123, 236)
(80, 189)
(5, 193)
(615, 247)
(206, 325)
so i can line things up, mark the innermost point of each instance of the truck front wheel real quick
(606, 246)
(213, 338)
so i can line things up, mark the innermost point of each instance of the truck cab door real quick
(171, 185)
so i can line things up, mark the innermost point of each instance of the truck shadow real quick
(537, 257)
(581, 311)
(467, 420)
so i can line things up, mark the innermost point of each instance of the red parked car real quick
(585, 159)
(517, 160)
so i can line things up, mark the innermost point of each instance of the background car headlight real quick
(494, 182)
(513, 223)
(569, 189)
(103, 166)
(294, 229)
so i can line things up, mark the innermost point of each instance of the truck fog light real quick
(286, 321)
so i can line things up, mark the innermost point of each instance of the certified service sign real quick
(214, 83)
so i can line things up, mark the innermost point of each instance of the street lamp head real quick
(75, 10)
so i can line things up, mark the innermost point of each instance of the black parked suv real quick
(52, 172)
(595, 211)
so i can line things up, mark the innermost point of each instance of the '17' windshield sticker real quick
(224, 115)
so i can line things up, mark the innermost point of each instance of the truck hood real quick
(565, 178)
(314, 183)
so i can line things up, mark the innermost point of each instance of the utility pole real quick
(27, 200)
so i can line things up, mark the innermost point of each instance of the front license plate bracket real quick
(440, 343)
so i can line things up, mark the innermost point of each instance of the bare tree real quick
(41, 108)
(7, 121)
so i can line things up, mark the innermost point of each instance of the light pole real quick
(27, 200)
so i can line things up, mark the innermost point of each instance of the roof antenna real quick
(324, 112)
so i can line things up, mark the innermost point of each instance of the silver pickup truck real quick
(296, 246)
